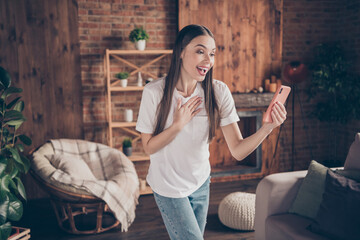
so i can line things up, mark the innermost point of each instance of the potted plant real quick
(139, 36)
(337, 90)
(123, 78)
(13, 162)
(127, 146)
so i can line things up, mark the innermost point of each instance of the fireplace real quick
(250, 122)
(250, 108)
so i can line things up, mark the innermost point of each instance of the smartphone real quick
(280, 95)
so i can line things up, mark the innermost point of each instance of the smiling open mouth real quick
(202, 70)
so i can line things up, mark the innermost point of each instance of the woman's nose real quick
(207, 57)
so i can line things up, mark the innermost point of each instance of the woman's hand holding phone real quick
(276, 113)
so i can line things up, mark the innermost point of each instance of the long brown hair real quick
(184, 37)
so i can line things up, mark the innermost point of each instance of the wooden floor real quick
(148, 225)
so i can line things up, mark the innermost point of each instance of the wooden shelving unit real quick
(113, 86)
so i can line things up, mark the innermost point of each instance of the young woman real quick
(177, 120)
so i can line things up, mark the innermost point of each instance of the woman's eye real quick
(212, 54)
(200, 51)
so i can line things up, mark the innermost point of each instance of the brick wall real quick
(307, 23)
(106, 24)
(350, 29)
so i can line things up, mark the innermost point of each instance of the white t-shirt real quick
(181, 167)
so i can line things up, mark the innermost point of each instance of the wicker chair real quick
(69, 206)
(72, 206)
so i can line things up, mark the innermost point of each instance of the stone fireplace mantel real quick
(252, 100)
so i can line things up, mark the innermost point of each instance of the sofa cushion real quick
(339, 212)
(309, 196)
(289, 226)
(353, 157)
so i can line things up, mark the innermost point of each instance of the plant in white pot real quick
(123, 78)
(13, 163)
(139, 36)
(127, 146)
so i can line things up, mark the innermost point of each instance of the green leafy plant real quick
(138, 33)
(337, 88)
(122, 75)
(13, 162)
(127, 143)
(337, 91)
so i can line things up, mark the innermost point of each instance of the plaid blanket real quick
(117, 183)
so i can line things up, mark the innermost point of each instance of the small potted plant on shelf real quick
(139, 36)
(13, 163)
(123, 78)
(127, 146)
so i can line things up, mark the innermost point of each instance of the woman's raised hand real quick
(278, 115)
(184, 113)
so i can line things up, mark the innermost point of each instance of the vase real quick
(128, 115)
(140, 45)
(139, 80)
(127, 151)
(123, 82)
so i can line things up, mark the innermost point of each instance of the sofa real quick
(278, 195)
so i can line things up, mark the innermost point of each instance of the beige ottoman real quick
(237, 211)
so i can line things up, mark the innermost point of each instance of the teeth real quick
(203, 69)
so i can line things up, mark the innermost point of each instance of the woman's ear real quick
(182, 54)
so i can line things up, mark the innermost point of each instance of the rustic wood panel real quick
(40, 49)
(248, 36)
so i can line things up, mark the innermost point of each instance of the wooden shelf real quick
(146, 191)
(122, 124)
(126, 89)
(139, 157)
(138, 52)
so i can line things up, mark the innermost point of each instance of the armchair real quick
(87, 179)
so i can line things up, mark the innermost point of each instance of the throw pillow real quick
(72, 165)
(309, 196)
(349, 173)
(353, 157)
(339, 212)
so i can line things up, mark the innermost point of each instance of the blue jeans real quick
(185, 218)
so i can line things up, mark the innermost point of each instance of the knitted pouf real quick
(237, 211)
